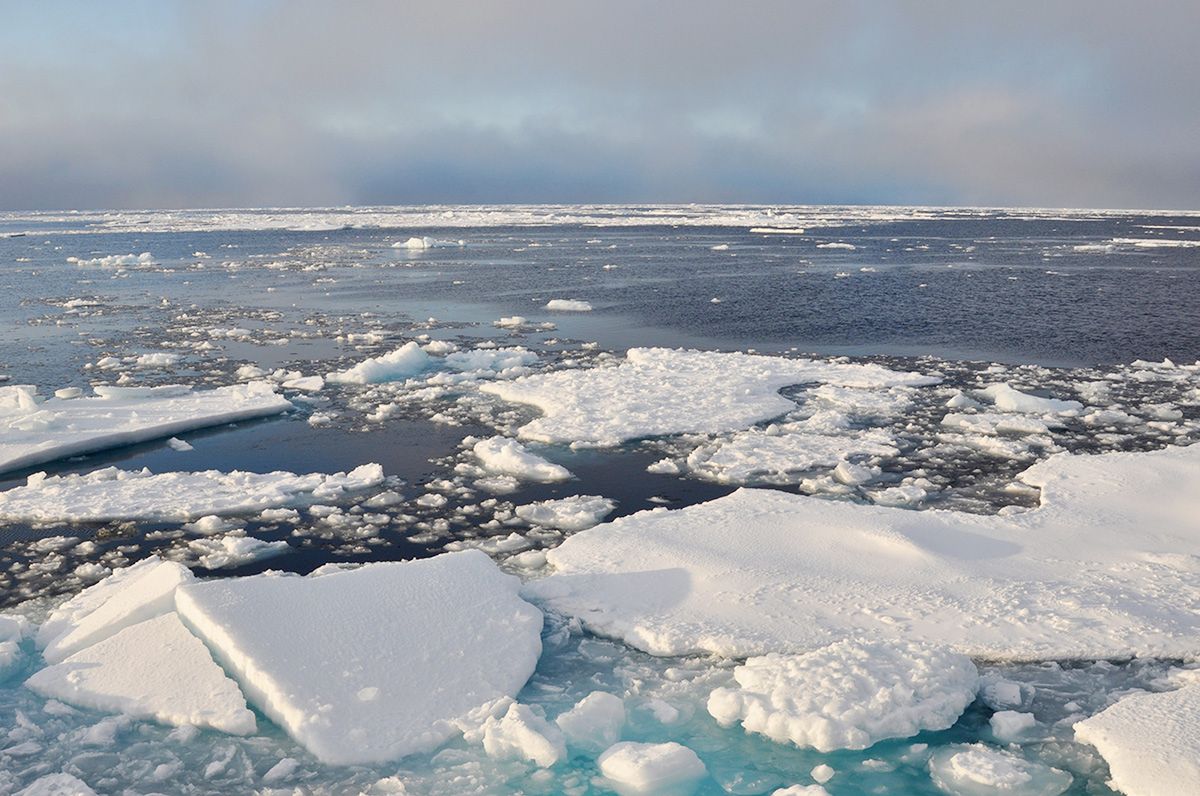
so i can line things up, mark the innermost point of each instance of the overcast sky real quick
(160, 104)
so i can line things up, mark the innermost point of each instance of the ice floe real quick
(661, 768)
(978, 770)
(154, 669)
(1105, 567)
(407, 360)
(371, 664)
(659, 391)
(574, 513)
(1151, 741)
(568, 305)
(35, 432)
(112, 493)
(849, 695)
(502, 456)
(777, 457)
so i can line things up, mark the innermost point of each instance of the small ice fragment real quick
(595, 723)
(636, 768)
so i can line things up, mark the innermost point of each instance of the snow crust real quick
(371, 664)
(1104, 568)
(849, 695)
(650, 767)
(503, 456)
(1151, 741)
(659, 391)
(155, 669)
(33, 432)
(112, 493)
(407, 360)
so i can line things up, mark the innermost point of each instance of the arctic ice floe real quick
(978, 770)
(663, 768)
(155, 669)
(125, 598)
(114, 494)
(1008, 399)
(780, 457)
(407, 360)
(657, 391)
(568, 305)
(1151, 741)
(849, 695)
(60, 784)
(375, 663)
(1105, 567)
(502, 456)
(33, 432)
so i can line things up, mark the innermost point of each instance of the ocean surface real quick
(1049, 300)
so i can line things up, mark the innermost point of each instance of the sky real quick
(162, 104)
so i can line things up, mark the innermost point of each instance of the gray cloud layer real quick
(297, 103)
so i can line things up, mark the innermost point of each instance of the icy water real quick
(1050, 301)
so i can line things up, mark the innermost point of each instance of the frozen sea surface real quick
(1009, 336)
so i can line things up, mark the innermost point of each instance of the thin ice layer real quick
(127, 597)
(371, 664)
(1105, 568)
(114, 494)
(1151, 742)
(155, 669)
(657, 391)
(849, 695)
(33, 433)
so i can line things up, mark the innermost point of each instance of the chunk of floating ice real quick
(407, 360)
(1010, 725)
(978, 770)
(155, 669)
(573, 513)
(503, 456)
(849, 695)
(568, 305)
(801, 790)
(522, 734)
(595, 723)
(755, 455)
(1094, 572)
(1007, 399)
(305, 384)
(234, 550)
(497, 360)
(114, 260)
(432, 640)
(660, 768)
(35, 433)
(127, 597)
(414, 243)
(657, 391)
(111, 494)
(1151, 742)
(61, 784)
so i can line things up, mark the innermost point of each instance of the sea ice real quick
(36, 432)
(114, 494)
(234, 550)
(522, 734)
(978, 770)
(1104, 568)
(568, 305)
(595, 723)
(502, 456)
(407, 360)
(1151, 741)
(658, 391)
(661, 768)
(127, 597)
(780, 458)
(371, 664)
(155, 669)
(1007, 399)
(61, 784)
(574, 513)
(849, 695)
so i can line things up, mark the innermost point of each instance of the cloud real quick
(155, 104)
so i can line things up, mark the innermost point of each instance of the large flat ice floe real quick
(1105, 567)
(1151, 742)
(659, 391)
(155, 669)
(112, 494)
(371, 664)
(34, 432)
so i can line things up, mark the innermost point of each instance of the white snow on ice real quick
(502, 456)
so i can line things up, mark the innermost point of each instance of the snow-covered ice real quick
(594, 723)
(849, 695)
(568, 305)
(503, 456)
(523, 734)
(371, 664)
(774, 457)
(154, 669)
(978, 770)
(658, 391)
(1151, 741)
(33, 432)
(112, 493)
(661, 768)
(1103, 568)
(1008, 399)
(60, 784)
(574, 513)
(405, 361)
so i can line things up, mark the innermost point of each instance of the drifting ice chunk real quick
(503, 456)
(755, 456)
(658, 391)
(568, 305)
(126, 597)
(34, 433)
(1097, 571)
(573, 513)
(1010, 725)
(113, 494)
(524, 735)
(407, 360)
(495, 360)
(233, 550)
(849, 695)
(977, 770)
(1007, 399)
(651, 767)
(371, 664)
(155, 669)
(595, 722)
(1151, 742)
(61, 784)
